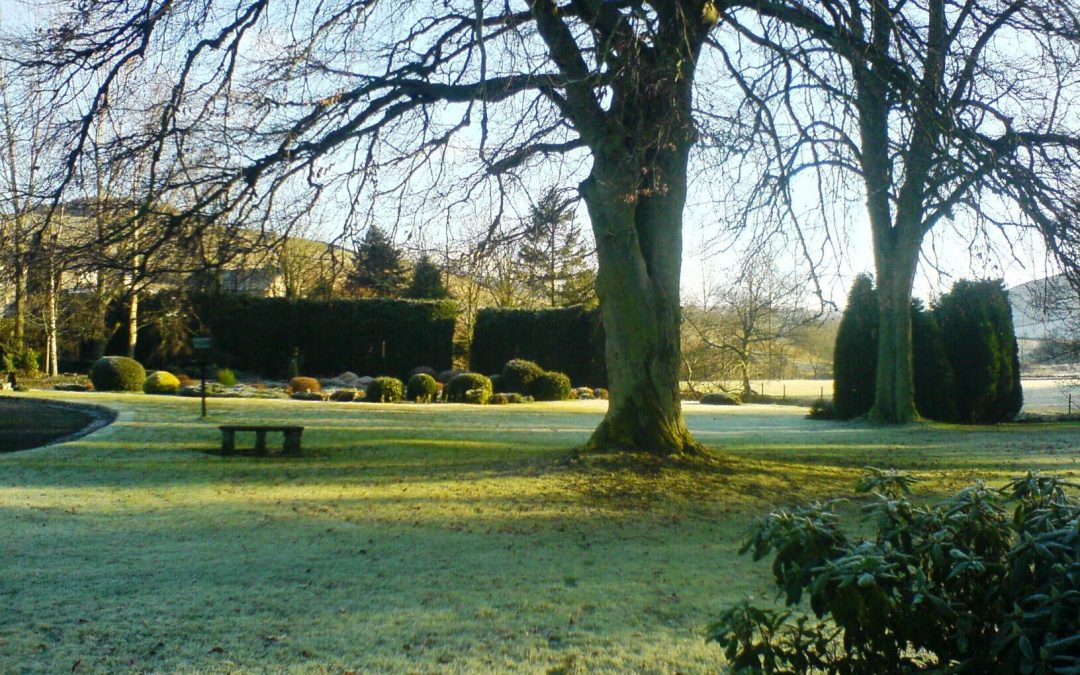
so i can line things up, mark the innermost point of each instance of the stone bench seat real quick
(290, 446)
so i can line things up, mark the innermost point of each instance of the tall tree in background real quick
(553, 257)
(427, 281)
(944, 111)
(378, 270)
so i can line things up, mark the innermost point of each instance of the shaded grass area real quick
(421, 538)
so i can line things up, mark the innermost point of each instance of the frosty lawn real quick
(419, 538)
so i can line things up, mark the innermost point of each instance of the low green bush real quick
(385, 390)
(457, 389)
(518, 375)
(226, 377)
(422, 388)
(721, 398)
(551, 386)
(26, 361)
(963, 585)
(822, 410)
(117, 373)
(161, 382)
(477, 396)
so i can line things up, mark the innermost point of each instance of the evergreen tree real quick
(935, 389)
(554, 258)
(855, 357)
(377, 270)
(977, 329)
(427, 283)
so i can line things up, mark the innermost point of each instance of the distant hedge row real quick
(369, 336)
(568, 340)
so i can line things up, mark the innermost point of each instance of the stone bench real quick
(291, 445)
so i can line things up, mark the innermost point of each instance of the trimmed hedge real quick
(518, 376)
(721, 398)
(457, 390)
(161, 382)
(373, 335)
(568, 340)
(117, 373)
(422, 388)
(551, 386)
(385, 390)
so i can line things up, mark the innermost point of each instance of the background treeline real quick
(965, 356)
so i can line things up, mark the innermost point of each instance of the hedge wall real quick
(568, 340)
(368, 337)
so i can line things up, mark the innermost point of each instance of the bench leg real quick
(260, 442)
(292, 442)
(228, 441)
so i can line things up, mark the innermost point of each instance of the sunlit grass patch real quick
(413, 538)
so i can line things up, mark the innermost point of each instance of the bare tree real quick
(749, 316)
(386, 87)
(946, 113)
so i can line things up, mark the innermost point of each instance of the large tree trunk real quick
(639, 244)
(894, 391)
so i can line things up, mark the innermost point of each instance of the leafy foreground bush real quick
(963, 586)
(226, 377)
(161, 382)
(422, 388)
(117, 373)
(385, 390)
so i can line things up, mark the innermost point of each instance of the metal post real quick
(784, 395)
(1070, 403)
(202, 369)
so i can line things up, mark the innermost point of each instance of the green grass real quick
(417, 538)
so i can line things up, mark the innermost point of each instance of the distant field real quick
(1040, 395)
(410, 538)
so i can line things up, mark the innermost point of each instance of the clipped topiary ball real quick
(551, 386)
(457, 389)
(161, 382)
(422, 388)
(385, 390)
(117, 373)
(519, 375)
(302, 385)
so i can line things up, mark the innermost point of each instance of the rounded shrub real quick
(301, 385)
(422, 388)
(497, 384)
(161, 382)
(385, 390)
(519, 375)
(721, 398)
(226, 377)
(600, 393)
(551, 386)
(117, 373)
(457, 389)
